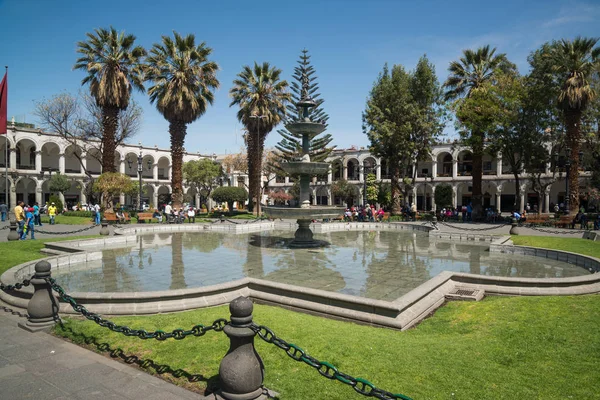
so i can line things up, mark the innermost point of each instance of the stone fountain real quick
(303, 167)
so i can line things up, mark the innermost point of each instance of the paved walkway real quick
(40, 366)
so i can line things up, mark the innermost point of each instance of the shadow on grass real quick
(212, 383)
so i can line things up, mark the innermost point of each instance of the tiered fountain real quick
(306, 169)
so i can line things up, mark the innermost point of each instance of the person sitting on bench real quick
(120, 216)
(157, 215)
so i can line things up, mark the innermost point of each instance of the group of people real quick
(367, 213)
(28, 217)
(178, 216)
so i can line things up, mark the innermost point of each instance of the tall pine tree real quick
(290, 147)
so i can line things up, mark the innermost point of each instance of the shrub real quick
(57, 203)
(89, 214)
(229, 195)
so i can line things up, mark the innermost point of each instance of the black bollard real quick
(241, 372)
(42, 309)
(13, 235)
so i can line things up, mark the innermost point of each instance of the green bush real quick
(57, 203)
(229, 195)
(89, 214)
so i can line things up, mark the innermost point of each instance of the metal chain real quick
(569, 232)
(16, 286)
(177, 334)
(4, 227)
(472, 229)
(65, 233)
(326, 369)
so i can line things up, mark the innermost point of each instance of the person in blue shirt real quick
(470, 212)
(36, 215)
(29, 224)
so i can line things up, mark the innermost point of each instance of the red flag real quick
(3, 102)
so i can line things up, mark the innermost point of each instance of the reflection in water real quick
(376, 264)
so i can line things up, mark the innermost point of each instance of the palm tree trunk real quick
(255, 150)
(477, 174)
(573, 122)
(110, 121)
(177, 130)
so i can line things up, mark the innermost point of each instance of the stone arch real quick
(424, 191)
(93, 159)
(26, 149)
(444, 164)
(5, 141)
(117, 161)
(352, 166)
(147, 166)
(130, 161)
(322, 195)
(337, 170)
(72, 164)
(164, 168)
(26, 188)
(369, 164)
(164, 194)
(50, 156)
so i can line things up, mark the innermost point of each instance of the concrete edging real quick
(401, 313)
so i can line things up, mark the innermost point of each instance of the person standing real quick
(20, 217)
(36, 215)
(3, 211)
(97, 215)
(29, 224)
(52, 213)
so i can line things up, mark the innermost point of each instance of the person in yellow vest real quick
(52, 213)
(20, 217)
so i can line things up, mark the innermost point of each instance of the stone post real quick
(13, 235)
(241, 372)
(104, 230)
(43, 307)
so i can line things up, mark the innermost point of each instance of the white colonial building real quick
(34, 155)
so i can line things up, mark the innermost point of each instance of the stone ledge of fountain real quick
(402, 313)
(312, 212)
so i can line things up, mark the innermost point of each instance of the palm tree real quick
(468, 75)
(113, 65)
(575, 62)
(183, 81)
(262, 98)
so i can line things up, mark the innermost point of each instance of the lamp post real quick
(140, 169)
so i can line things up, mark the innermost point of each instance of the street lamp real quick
(140, 169)
(427, 176)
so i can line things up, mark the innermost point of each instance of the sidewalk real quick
(40, 366)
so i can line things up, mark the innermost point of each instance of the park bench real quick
(538, 219)
(564, 222)
(112, 217)
(143, 217)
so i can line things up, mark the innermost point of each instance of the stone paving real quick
(40, 366)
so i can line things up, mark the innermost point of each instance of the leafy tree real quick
(112, 184)
(403, 119)
(262, 98)
(203, 175)
(182, 80)
(341, 188)
(304, 83)
(113, 65)
(59, 183)
(229, 195)
(466, 78)
(443, 196)
(384, 195)
(574, 63)
(372, 188)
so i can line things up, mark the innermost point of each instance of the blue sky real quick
(349, 42)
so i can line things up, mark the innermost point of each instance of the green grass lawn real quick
(500, 348)
(20, 251)
(63, 220)
(574, 245)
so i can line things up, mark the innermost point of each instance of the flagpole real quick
(6, 201)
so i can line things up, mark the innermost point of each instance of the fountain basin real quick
(312, 212)
(311, 129)
(303, 167)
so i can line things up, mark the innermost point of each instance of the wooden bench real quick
(538, 219)
(112, 217)
(564, 221)
(143, 217)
